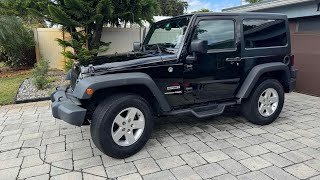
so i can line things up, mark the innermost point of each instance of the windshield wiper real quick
(154, 50)
(159, 49)
(171, 51)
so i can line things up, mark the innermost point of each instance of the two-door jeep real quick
(192, 64)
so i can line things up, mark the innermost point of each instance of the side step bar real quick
(203, 111)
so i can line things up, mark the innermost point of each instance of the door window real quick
(218, 33)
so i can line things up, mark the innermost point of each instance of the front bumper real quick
(66, 107)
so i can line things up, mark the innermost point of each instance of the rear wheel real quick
(121, 125)
(265, 103)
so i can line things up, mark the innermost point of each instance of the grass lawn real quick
(9, 87)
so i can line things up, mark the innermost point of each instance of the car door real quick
(215, 74)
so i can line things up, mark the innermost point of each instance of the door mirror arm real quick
(190, 59)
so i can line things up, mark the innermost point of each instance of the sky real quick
(213, 5)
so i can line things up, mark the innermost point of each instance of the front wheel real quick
(265, 103)
(121, 125)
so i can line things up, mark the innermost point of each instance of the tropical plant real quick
(172, 7)
(16, 43)
(84, 20)
(201, 10)
(253, 1)
(20, 8)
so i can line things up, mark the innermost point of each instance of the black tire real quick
(102, 120)
(250, 106)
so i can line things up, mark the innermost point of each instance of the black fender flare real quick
(256, 72)
(121, 79)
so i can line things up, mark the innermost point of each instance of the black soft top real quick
(242, 14)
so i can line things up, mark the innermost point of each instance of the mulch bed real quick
(8, 72)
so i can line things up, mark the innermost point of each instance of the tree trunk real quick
(71, 30)
(96, 38)
(87, 40)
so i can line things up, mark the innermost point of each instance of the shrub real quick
(17, 47)
(40, 73)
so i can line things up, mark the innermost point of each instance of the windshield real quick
(167, 36)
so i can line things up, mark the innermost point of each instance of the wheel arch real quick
(137, 89)
(277, 70)
(138, 83)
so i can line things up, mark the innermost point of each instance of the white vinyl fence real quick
(47, 47)
(121, 39)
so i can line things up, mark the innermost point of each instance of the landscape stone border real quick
(16, 101)
(42, 96)
(31, 100)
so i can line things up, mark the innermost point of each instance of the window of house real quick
(218, 33)
(259, 33)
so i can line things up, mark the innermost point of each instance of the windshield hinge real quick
(91, 69)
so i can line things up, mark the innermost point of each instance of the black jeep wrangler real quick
(192, 64)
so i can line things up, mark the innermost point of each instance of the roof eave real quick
(263, 5)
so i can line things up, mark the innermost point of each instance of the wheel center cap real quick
(127, 125)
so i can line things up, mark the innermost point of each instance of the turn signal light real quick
(89, 91)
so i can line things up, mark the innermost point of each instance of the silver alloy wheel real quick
(268, 102)
(128, 126)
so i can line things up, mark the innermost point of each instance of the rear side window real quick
(260, 33)
(218, 33)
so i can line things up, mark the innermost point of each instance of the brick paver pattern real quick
(181, 147)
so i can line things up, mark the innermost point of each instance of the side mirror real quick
(136, 46)
(199, 46)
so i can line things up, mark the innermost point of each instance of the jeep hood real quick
(123, 61)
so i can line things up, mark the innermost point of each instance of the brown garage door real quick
(306, 48)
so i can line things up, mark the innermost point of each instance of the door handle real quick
(235, 59)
